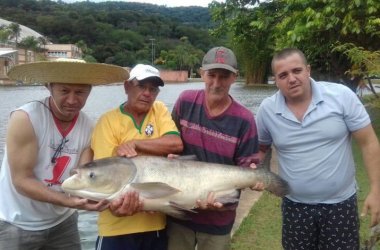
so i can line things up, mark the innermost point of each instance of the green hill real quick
(122, 33)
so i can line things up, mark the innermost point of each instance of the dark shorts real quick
(154, 240)
(320, 226)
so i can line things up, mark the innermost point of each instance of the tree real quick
(183, 57)
(365, 64)
(109, 28)
(15, 32)
(86, 51)
(29, 43)
(4, 34)
(42, 41)
(250, 29)
(316, 26)
(260, 28)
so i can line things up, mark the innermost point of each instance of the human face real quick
(218, 82)
(68, 99)
(292, 78)
(141, 95)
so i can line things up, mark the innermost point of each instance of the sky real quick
(168, 3)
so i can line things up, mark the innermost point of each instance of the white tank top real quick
(30, 214)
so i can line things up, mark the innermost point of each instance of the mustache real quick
(216, 89)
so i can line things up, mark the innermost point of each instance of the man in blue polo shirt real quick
(311, 125)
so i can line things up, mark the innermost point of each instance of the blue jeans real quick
(64, 236)
(320, 226)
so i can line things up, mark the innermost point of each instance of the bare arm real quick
(370, 149)
(263, 150)
(161, 146)
(86, 156)
(22, 152)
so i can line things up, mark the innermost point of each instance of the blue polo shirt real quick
(315, 154)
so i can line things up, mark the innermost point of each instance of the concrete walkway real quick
(249, 197)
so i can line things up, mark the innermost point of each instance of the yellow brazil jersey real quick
(114, 128)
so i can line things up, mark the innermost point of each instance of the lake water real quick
(104, 98)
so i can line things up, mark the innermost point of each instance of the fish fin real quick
(154, 190)
(177, 211)
(227, 197)
(187, 158)
(274, 183)
(227, 200)
(177, 206)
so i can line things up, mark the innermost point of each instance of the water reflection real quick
(104, 98)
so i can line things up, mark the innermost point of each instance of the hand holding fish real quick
(173, 156)
(210, 203)
(259, 186)
(89, 205)
(126, 205)
(127, 149)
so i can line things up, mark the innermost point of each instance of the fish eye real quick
(92, 175)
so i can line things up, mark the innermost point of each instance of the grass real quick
(261, 229)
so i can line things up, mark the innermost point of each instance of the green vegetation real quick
(261, 230)
(121, 33)
(259, 28)
(339, 38)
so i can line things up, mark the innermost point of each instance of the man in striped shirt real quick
(215, 128)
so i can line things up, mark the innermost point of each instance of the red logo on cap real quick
(219, 56)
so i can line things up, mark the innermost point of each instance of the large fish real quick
(171, 186)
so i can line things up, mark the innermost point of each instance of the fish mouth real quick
(88, 194)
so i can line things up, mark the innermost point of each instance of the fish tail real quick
(278, 186)
(274, 183)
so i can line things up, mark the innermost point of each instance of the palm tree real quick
(4, 34)
(42, 41)
(15, 31)
(29, 43)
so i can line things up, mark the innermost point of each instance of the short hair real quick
(284, 53)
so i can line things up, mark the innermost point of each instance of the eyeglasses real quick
(58, 151)
(145, 86)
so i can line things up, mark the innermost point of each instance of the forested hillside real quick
(120, 32)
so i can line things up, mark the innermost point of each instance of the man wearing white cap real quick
(141, 125)
(215, 128)
(45, 140)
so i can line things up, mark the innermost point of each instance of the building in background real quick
(54, 51)
(12, 54)
(8, 58)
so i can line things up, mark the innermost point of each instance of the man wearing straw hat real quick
(45, 140)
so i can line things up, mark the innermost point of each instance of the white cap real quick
(143, 71)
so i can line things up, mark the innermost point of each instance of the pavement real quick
(249, 197)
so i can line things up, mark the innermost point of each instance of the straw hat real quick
(68, 71)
